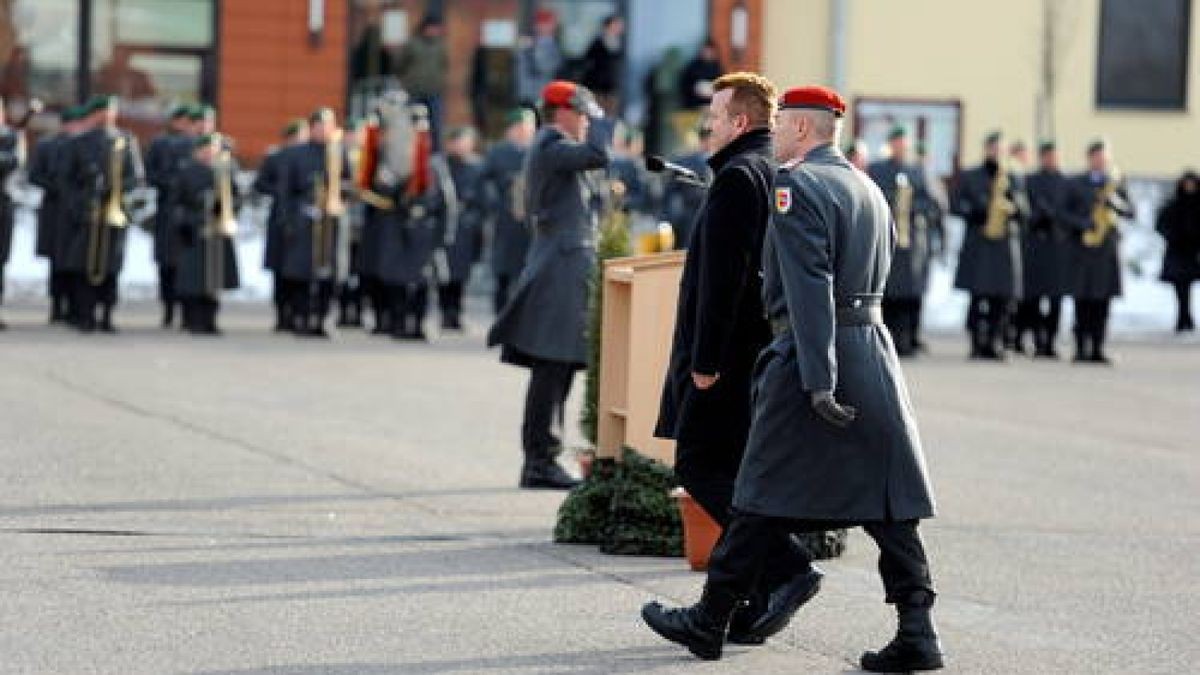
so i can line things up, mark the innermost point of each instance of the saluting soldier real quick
(43, 163)
(165, 155)
(314, 180)
(203, 204)
(502, 168)
(682, 199)
(543, 326)
(463, 228)
(12, 159)
(833, 442)
(1044, 254)
(101, 166)
(1096, 201)
(903, 184)
(267, 183)
(989, 264)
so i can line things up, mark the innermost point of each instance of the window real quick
(1143, 55)
(39, 51)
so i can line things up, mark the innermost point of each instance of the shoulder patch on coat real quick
(783, 199)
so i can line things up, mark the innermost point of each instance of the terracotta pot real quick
(700, 531)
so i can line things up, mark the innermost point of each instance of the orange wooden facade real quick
(270, 71)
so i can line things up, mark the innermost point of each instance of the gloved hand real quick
(828, 409)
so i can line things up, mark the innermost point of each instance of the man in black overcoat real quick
(1044, 254)
(164, 157)
(720, 326)
(833, 442)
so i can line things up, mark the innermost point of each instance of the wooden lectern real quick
(638, 321)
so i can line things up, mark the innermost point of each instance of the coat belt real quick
(861, 310)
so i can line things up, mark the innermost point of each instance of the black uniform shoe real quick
(786, 600)
(543, 473)
(701, 628)
(915, 647)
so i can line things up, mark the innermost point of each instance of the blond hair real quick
(753, 96)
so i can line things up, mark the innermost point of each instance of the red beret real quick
(564, 94)
(544, 16)
(813, 98)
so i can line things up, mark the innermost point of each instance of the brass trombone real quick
(110, 216)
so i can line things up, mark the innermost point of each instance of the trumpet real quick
(111, 216)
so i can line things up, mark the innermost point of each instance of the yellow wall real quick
(987, 55)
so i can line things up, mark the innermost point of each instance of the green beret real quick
(1097, 145)
(71, 113)
(180, 111)
(993, 137)
(201, 112)
(897, 132)
(519, 116)
(101, 102)
(294, 127)
(206, 139)
(1047, 146)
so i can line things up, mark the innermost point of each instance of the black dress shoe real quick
(786, 600)
(691, 627)
(915, 647)
(545, 474)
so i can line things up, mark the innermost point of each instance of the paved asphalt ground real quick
(262, 505)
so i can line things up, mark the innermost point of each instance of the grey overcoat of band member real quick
(909, 276)
(825, 263)
(547, 315)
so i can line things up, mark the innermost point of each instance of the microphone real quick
(656, 164)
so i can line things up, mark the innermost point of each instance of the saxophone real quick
(107, 218)
(1104, 216)
(902, 211)
(1000, 208)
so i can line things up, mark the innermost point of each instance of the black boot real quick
(1098, 355)
(1082, 350)
(915, 647)
(786, 600)
(106, 322)
(701, 627)
(542, 472)
(168, 317)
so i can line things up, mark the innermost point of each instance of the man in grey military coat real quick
(543, 326)
(833, 441)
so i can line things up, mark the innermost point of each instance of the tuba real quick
(1104, 215)
(110, 216)
(1000, 208)
(902, 211)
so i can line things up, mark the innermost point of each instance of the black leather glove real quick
(831, 411)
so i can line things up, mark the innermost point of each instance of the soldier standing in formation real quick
(833, 442)
(903, 184)
(351, 290)
(164, 157)
(100, 167)
(544, 324)
(502, 178)
(43, 172)
(1043, 255)
(313, 179)
(988, 198)
(267, 183)
(12, 159)
(1096, 201)
(202, 208)
(463, 223)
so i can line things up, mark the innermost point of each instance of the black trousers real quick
(545, 402)
(902, 316)
(166, 288)
(1039, 316)
(408, 305)
(1091, 325)
(500, 296)
(987, 321)
(60, 295)
(450, 300)
(309, 301)
(1183, 297)
(89, 296)
(350, 301)
(200, 314)
(376, 294)
(741, 555)
(708, 473)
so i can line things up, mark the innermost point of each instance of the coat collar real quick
(755, 140)
(825, 154)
